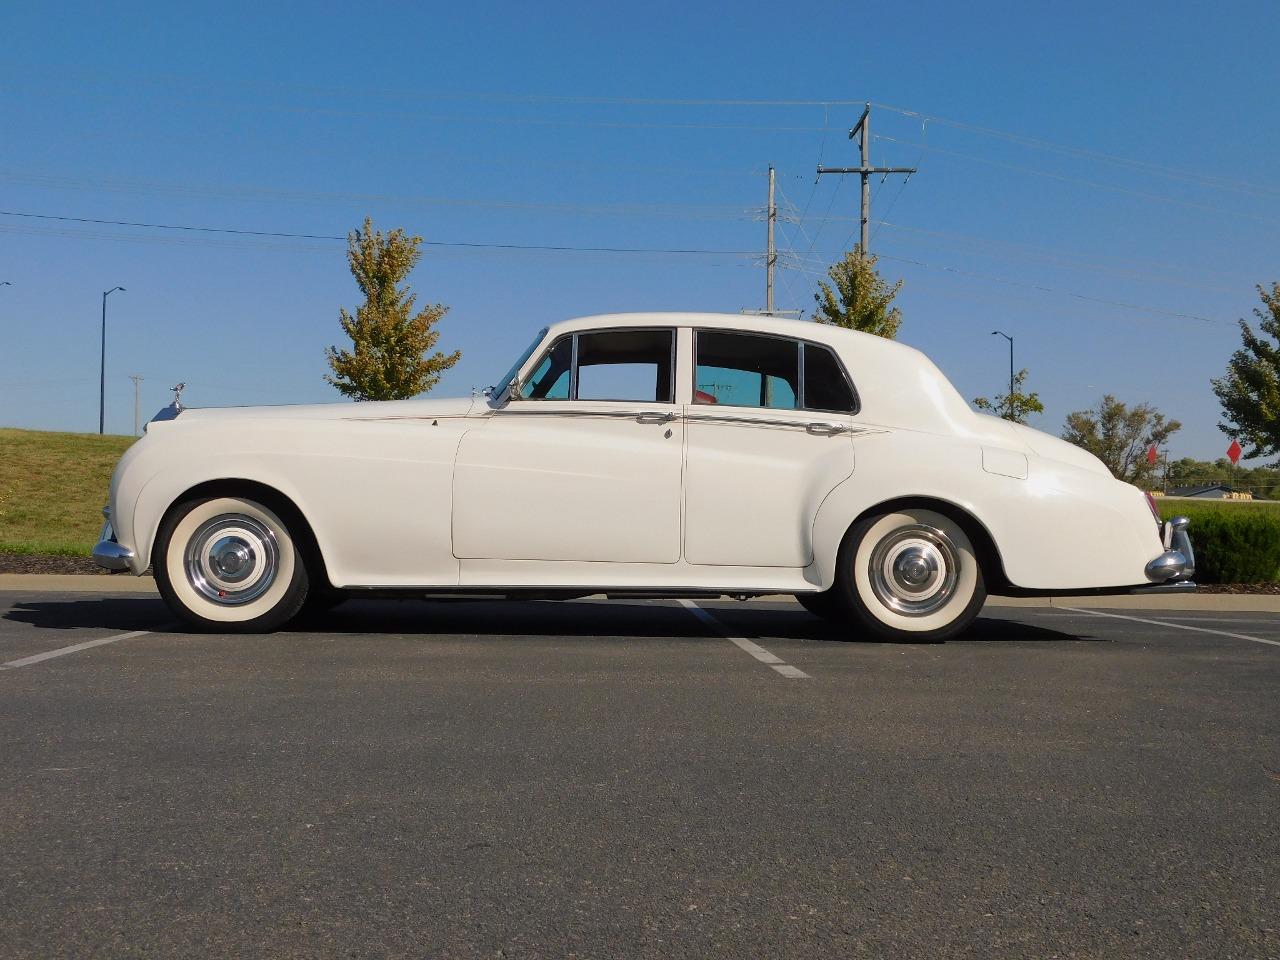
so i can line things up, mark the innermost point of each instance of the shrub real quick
(1233, 542)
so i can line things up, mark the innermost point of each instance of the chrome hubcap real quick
(231, 559)
(913, 570)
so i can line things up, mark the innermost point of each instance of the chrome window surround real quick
(800, 343)
(573, 364)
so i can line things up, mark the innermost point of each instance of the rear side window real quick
(825, 385)
(746, 370)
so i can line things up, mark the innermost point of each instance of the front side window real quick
(634, 366)
(746, 370)
(550, 378)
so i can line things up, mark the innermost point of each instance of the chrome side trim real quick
(511, 410)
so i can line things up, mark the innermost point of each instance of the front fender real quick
(376, 494)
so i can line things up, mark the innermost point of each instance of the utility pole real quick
(771, 251)
(137, 420)
(771, 255)
(1001, 333)
(862, 130)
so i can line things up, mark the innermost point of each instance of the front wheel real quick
(910, 575)
(230, 565)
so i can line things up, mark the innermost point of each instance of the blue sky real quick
(1096, 179)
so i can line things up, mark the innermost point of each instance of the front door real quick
(769, 436)
(584, 463)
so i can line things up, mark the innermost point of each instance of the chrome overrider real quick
(108, 553)
(1178, 562)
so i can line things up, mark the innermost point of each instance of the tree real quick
(860, 299)
(388, 358)
(1250, 392)
(1018, 407)
(1119, 436)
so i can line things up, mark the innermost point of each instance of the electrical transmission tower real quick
(862, 130)
(771, 254)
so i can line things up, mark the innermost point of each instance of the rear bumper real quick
(1178, 562)
(108, 553)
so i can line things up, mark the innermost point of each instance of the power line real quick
(1065, 178)
(1144, 165)
(564, 248)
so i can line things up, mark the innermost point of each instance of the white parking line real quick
(757, 651)
(1177, 626)
(74, 648)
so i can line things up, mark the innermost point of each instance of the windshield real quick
(502, 384)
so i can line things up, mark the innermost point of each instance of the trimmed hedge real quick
(1234, 542)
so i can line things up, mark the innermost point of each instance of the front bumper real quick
(107, 553)
(1178, 562)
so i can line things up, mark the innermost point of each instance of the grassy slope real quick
(52, 489)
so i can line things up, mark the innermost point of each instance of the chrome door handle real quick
(821, 429)
(655, 417)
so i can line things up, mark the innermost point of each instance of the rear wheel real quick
(229, 564)
(910, 575)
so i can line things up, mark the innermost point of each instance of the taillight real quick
(1155, 509)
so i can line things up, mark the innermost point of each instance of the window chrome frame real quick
(800, 376)
(573, 365)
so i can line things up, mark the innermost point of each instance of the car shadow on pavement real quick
(778, 624)
(102, 613)
(509, 618)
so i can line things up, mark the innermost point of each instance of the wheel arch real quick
(268, 496)
(989, 558)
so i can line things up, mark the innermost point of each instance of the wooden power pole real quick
(862, 130)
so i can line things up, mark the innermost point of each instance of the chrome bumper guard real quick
(1178, 562)
(108, 553)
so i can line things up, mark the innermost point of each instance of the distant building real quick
(1210, 491)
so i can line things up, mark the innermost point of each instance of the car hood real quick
(367, 410)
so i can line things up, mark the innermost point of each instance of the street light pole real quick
(1009, 401)
(102, 370)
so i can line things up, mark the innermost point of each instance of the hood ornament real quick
(177, 395)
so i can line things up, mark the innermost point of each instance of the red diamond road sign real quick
(1233, 452)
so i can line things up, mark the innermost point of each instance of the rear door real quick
(769, 436)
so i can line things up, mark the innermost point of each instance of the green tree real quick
(1017, 407)
(1250, 391)
(1119, 436)
(858, 298)
(389, 341)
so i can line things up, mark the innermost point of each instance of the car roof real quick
(838, 337)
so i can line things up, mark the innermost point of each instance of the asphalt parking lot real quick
(619, 779)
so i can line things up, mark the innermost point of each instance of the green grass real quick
(52, 489)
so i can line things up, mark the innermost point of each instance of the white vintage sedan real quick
(675, 455)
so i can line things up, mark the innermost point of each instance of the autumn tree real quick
(1250, 391)
(389, 342)
(857, 297)
(1120, 435)
(1018, 406)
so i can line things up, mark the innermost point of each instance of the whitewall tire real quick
(911, 574)
(229, 564)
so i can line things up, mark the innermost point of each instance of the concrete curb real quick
(1247, 602)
